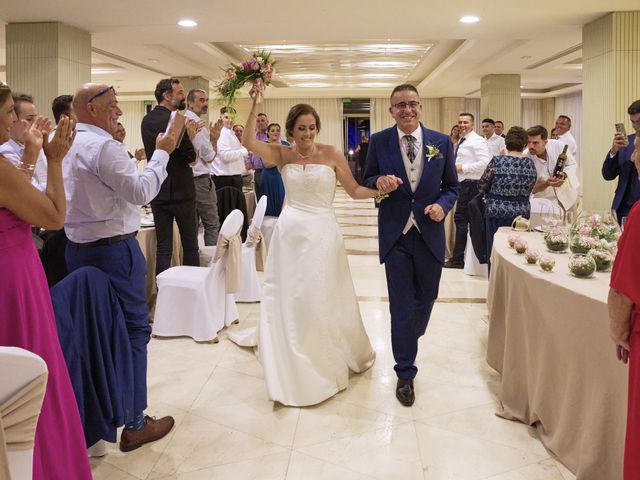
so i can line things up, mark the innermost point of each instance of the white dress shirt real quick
(496, 145)
(473, 156)
(414, 170)
(231, 155)
(567, 138)
(544, 169)
(204, 150)
(13, 151)
(104, 188)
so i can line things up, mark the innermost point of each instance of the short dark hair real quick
(273, 125)
(489, 120)
(500, 122)
(223, 110)
(297, 111)
(566, 118)
(467, 114)
(19, 98)
(403, 88)
(516, 139)
(191, 96)
(262, 115)
(237, 125)
(164, 85)
(634, 108)
(538, 130)
(61, 105)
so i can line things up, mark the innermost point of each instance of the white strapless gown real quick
(310, 332)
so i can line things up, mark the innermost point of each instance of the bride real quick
(310, 332)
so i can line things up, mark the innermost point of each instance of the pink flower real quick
(231, 74)
(585, 230)
(246, 65)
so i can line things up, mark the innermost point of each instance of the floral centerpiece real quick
(597, 226)
(603, 259)
(532, 256)
(547, 262)
(259, 67)
(582, 265)
(582, 243)
(511, 239)
(556, 241)
(520, 246)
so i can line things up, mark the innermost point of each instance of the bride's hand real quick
(257, 91)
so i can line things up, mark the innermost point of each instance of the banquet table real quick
(148, 244)
(549, 338)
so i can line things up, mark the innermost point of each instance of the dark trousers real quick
(257, 182)
(234, 181)
(493, 224)
(184, 213)
(413, 278)
(468, 190)
(126, 267)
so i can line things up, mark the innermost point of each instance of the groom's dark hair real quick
(402, 88)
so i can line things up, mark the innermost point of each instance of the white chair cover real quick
(192, 301)
(472, 265)
(253, 255)
(24, 380)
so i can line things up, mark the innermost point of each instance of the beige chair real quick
(23, 380)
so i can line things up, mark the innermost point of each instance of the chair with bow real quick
(253, 256)
(24, 380)
(198, 302)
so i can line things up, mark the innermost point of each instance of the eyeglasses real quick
(101, 92)
(403, 105)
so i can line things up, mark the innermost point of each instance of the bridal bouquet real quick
(259, 66)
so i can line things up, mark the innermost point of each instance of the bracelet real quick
(26, 167)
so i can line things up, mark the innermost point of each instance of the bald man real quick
(104, 191)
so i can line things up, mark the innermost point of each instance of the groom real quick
(410, 228)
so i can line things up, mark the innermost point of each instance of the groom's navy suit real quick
(413, 261)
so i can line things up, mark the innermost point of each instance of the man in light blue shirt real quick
(104, 191)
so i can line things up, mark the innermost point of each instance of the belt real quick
(203, 175)
(104, 241)
(469, 180)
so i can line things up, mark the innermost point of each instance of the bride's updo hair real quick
(298, 110)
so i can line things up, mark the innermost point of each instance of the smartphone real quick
(620, 129)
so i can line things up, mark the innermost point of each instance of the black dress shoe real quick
(405, 393)
(453, 264)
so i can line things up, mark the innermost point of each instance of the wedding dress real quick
(310, 332)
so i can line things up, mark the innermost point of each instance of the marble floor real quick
(226, 428)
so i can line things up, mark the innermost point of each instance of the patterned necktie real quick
(411, 147)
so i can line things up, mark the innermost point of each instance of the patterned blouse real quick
(507, 183)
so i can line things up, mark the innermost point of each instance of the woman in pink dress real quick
(26, 314)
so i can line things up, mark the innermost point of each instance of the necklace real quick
(313, 150)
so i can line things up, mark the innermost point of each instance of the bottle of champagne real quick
(562, 160)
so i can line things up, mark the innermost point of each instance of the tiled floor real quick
(227, 429)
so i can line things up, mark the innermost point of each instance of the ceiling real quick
(333, 48)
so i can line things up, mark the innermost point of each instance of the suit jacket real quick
(621, 166)
(179, 183)
(438, 184)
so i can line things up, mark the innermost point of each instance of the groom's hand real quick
(388, 183)
(435, 212)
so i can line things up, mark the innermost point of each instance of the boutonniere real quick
(431, 151)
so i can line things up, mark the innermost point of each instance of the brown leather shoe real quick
(153, 430)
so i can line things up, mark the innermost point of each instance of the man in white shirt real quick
(13, 149)
(494, 142)
(203, 144)
(555, 191)
(229, 163)
(563, 131)
(472, 157)
(104, 192)
(248, 175)
(500, 128)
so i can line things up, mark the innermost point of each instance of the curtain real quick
(472, 106)
(329, 110)
(531, 112)
(131, 119)
(431, 113)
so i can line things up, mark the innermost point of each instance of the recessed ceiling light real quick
(187, 23)
(469, 19)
